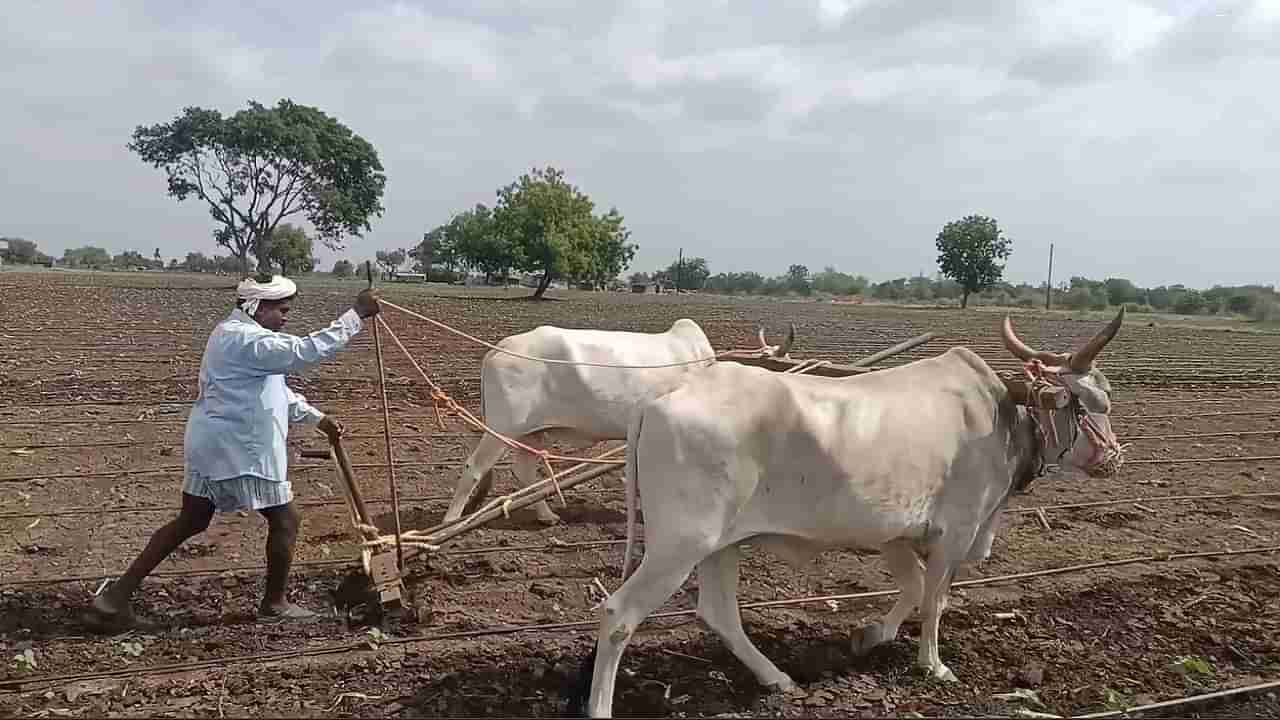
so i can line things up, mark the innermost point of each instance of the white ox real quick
(915, 461)
(579, 404)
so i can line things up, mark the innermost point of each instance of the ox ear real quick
(1093, 394)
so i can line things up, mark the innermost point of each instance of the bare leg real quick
(193, 519)
(903, 562)
(718, 608)
(476, 478)
(283, 523)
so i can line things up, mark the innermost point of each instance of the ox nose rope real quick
(1111, 451)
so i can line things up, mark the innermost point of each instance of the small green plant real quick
(132, 648)
(1115, 700)
(376, 637)
(1192, 666)
(26, 660)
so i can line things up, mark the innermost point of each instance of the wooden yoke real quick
(1052, 397)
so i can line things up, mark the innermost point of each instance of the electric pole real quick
(1048, 286)
(679, 270)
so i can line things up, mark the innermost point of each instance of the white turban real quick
(252, 292)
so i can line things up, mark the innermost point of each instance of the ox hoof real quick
(783, 685)
(941, 673)
(867, 638)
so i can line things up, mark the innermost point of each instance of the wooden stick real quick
(891, 351)
(386, 428)
(545, 490)
(781, 365)
(1193, 700)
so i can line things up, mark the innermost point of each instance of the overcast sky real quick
(1128, 133)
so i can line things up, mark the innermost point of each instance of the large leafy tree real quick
(263, 165)
(608, 252)
(549, 225)
(292, 250)
(474, 236)
(968, 252)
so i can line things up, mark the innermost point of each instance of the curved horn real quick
(760, 334)
(1026, 354)
(1082, 360)
(786, 344)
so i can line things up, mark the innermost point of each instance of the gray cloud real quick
(842, 132)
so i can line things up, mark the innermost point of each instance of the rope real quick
(552, 361)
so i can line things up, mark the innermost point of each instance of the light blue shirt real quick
(240, 420)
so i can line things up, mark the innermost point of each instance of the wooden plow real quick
(383, 556)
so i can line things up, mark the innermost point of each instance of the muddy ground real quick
(95, 381)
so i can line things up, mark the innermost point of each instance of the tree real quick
(549, 226)
(798, 279)
(21, 251)
(1120, 291)
(832, 281)
(692, 275)
(606, 251)
(967, 252)
(263, 165)
(473, 237)
(390, 260)
(424, 253)
(291, 249)
(129, 259)
(157, 257)
(1189, 302)
(86, 257)
(343, 269)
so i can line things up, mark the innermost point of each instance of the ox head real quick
(1084, 438)
(778, 351)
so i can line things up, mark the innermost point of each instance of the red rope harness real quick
(1108, 453)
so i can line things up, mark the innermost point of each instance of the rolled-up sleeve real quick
(300, 411)
(275, 352)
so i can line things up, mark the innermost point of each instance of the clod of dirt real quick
(1031, 676)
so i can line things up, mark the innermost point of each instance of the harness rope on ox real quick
(1108, 449)
(427, 539)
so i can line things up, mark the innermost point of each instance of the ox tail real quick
(632, 488)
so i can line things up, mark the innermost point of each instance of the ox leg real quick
(656, 580)
(904, 563)
(476, 478)
(937, 583)
(525, 467)
(718, 608)
(981, 549)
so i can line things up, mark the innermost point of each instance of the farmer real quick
(235, 452)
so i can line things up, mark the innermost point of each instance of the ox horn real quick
(1082, 360)
(786, 344)
(1026, 354)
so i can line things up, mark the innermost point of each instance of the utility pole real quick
(1048, 286)
(679, 270)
